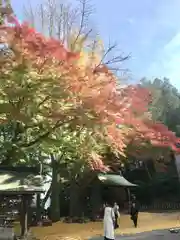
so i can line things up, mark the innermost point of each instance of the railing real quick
(161, 206)
(6, 221)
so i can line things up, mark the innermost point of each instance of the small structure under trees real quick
(109, 186)
(22, 184)
(116, 180)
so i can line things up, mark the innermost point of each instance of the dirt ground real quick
(147, 222)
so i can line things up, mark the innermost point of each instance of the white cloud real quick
(131, 20)
(167, 63)
(173, 44)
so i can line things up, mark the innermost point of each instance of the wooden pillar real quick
(25, 200)
(129, 199)
(38, 207)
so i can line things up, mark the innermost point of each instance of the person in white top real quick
(109, 219)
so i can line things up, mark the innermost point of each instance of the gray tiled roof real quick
(115, 180)
(11, 181)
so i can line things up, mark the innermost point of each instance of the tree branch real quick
(81, 23)
(45, 134)
(42, 136)
(48, 193)
(86, 11)
(114, 60)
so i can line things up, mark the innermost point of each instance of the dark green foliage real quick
(165, 105)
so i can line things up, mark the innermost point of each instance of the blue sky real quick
(148, 29)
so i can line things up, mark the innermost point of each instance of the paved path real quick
(154, 235)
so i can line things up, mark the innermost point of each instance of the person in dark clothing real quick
(116, 213)
(134, 211)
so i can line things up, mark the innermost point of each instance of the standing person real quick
(116, 213)
(134, 211)
(109, 219)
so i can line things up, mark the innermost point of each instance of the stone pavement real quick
(153, 235)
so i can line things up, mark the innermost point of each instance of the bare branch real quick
(42, 18)
(30, 15)
(62, 20)
(86, 12)
(82, 21)
(113, 63)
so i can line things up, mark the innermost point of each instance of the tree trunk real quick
(74, 204)
(147, 171)
(95, 199)
(48, 194)
(55, 206)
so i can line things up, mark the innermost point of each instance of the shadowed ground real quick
(153, 235)
(147, 222)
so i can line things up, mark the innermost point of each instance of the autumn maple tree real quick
(67, 104)
(45, 87)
